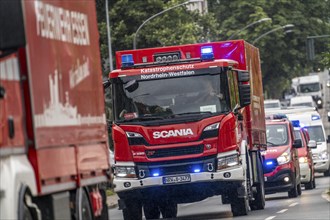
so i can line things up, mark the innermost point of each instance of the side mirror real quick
(312, 144)
(106, 84)
(132, 85)
(109, 126)
(244, 94)
(297, 143)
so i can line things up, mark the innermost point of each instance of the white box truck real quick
(309, 85)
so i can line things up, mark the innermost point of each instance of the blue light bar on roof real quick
(207, 53)
(127, 60)
(295, 123)
(315, 117)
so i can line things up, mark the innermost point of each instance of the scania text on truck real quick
(53, 135)
(188, 125)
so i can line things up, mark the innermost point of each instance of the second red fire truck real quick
(188, 124)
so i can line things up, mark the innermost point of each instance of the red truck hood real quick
(175, 133)
(275, 152)
(182, 134)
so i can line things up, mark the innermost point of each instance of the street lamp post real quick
(271, 31)
(155, 15)
(249, 25)
(109, 35)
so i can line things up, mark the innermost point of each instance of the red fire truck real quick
(53, 135)
(188, 124)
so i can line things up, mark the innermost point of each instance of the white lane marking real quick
(293, 204)
(270, 217)
(283, 210)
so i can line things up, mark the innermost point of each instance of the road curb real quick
(326, 196)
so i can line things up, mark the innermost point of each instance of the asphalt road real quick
(312, 204)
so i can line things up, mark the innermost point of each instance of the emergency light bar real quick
(295, 123)
(315, 117)
(167, 57)
(207, 53)
(127, 60)
(277, 116)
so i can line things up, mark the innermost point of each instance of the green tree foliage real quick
(283, 54)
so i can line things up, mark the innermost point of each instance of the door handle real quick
(11, 127)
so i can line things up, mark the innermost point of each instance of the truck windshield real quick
(169, 98)
(277, 135)
(310, 87)
(316, 133)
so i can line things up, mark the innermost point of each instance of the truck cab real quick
(309, 85)
(281, 165)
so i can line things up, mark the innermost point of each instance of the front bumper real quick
(305, 173)
(276, 183)
(321, 165)
(213, 181)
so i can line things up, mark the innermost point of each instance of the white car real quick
(272, 104)
(302, 101)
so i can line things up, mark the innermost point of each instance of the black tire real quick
(259, 196)
(151, 210)
(326, 173)
(314, 184)
(84, 207)
(27, 215)
(239, 207)
(310, 184)
(299, 189)
(169, 209)
(133, 210)
(293, 192)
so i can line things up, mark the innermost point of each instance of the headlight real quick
(323, 155)
(133, 134)
(302, 159)
(284, 158)
(212, 127)
(228, 161)
(319, 101)
(211, 131)
(125, 171)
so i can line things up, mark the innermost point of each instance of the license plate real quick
(176, 179)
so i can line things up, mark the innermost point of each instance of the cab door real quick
(12, 139)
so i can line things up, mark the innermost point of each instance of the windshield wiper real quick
(192, 113)
(145, 118)
(271, 143)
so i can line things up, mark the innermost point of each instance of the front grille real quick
(174, 167)
(270, 165)
(170, 152)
